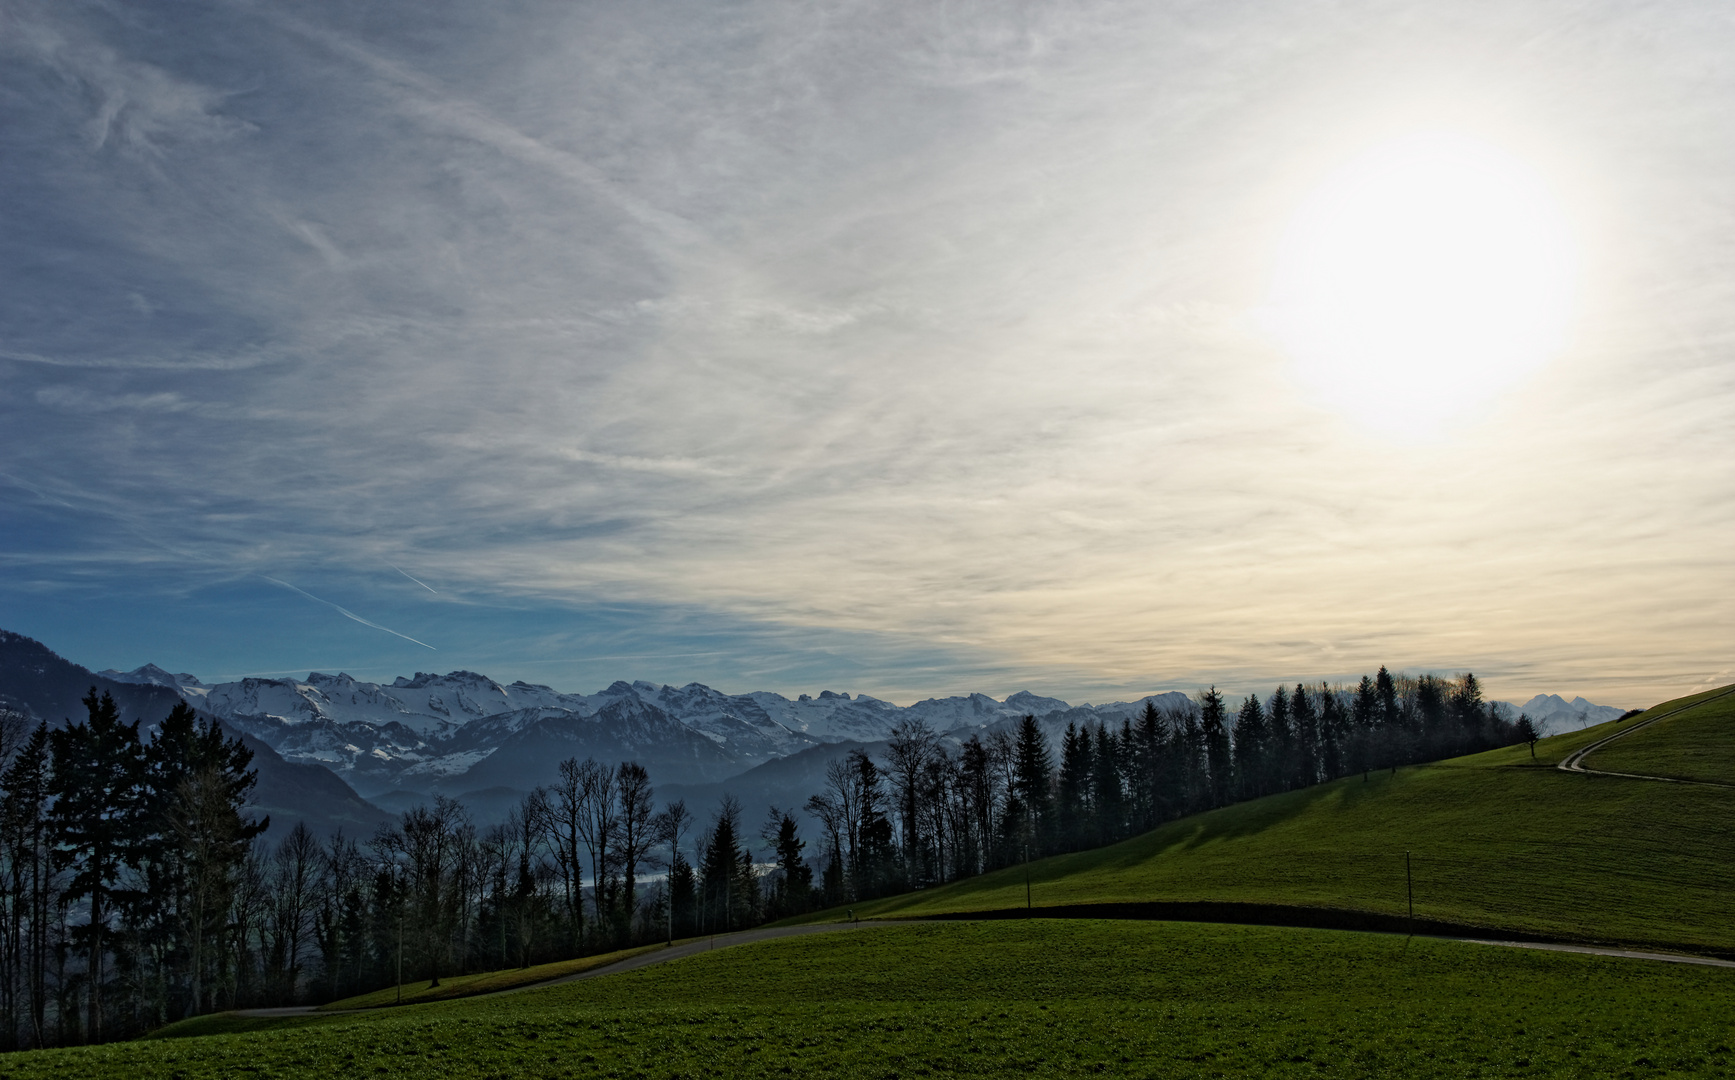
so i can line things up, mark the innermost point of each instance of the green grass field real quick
(1497, 840)
(1039, 998)
(1698, 744)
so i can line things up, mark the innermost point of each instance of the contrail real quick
(348, 613)
(418, 581)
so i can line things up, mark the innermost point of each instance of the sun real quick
(1422, 279)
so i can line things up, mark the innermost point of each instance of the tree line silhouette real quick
(135, 889)
(929, 815)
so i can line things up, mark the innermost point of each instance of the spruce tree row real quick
(118, 859)
(927, 814)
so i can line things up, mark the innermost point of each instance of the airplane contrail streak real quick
(348, 613)
(418, 581)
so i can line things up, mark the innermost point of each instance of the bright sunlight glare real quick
(1421, 280)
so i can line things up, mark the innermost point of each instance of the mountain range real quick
(463, 732)
(324, 742)
(44, 687)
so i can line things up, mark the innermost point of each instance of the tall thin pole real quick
(400, 954)
(1027, 880)
(1410, 883)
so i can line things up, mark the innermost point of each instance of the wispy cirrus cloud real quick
(859, 324)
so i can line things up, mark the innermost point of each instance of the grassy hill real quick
(1695, 744)
(1496, 840)
(1044, 998)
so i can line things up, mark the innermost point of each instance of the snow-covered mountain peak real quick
(1563, 715)
(451, 678)
(152, 675)
(1035, 705)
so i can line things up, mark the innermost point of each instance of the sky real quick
(907, 349)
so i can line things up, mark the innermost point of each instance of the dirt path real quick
(1597, 950)
(1574, 762)
(631, 963)
(693, 948)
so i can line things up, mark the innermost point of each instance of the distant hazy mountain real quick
(39, 683)
(1563, 715)
(463, 733)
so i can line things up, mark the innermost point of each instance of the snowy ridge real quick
(1563, 715)
(463, 730)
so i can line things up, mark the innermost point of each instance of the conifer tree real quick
(1107, 790)
(1333, 729)
(1251, 748)
(1033, 768)
(792, 892)
(1364, 716)
(1280, 758)
(718, 868)
(1388, 720)
(1431, 696)
(31, 883)
(1149, 765)
(97, 782)
(1219, 763)
(1467, 710)
(1072, 789)
(195, 837)
(1305, 721)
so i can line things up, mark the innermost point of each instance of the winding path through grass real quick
(1574, 762)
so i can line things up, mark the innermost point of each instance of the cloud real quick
(862, 320)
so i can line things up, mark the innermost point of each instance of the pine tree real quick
(1150, 762)
(792, 891)
(1431, 696)
(1388, 720)
(1468, 712)
(1333, 729)
(31, 882)
(1364, 715)
(198, 781)
(1033, 771)
(1305, 721)
(1251, 748)
(1219, 763)
(717, 869)
(1280, 754)
(1072, 809)
(97, 783)
(682, 905)
(1107, 786)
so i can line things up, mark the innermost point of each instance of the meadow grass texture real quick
(1497, 840)
(1697, 744)
(993, 999)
